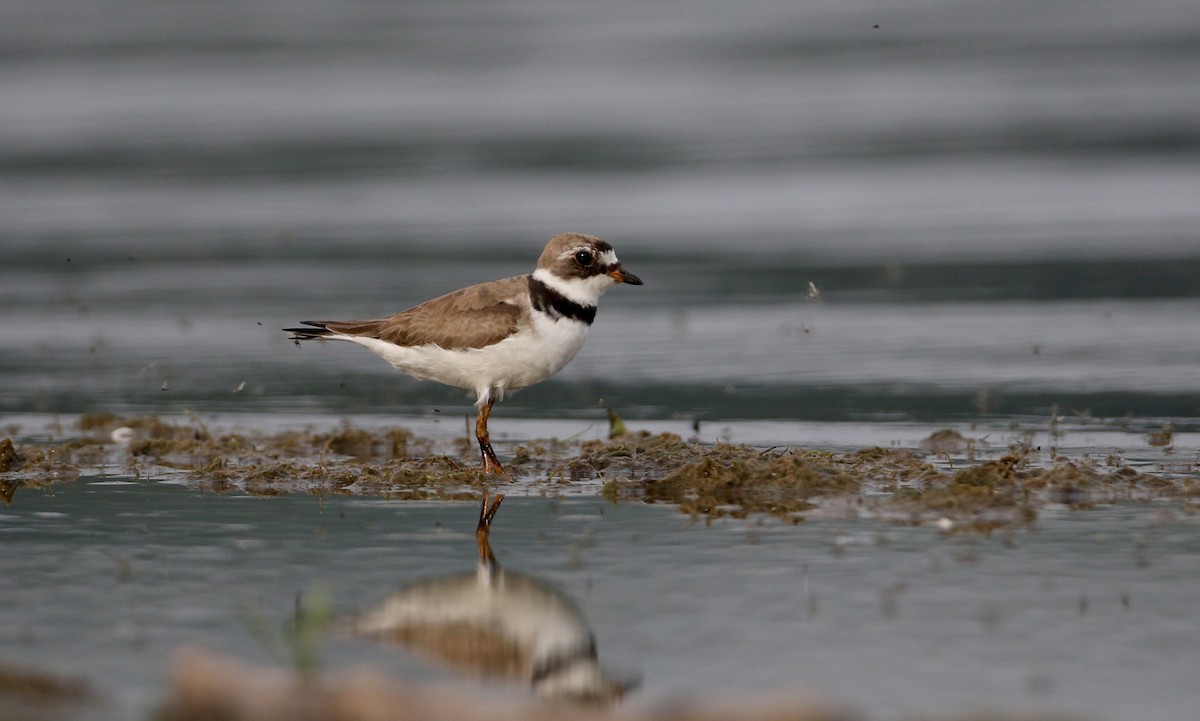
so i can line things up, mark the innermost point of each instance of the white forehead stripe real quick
(608, 258)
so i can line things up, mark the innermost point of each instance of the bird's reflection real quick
(496, 624)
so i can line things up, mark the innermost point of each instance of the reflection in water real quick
(497, 625)
(8, 489)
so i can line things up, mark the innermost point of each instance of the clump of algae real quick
(33, 467)
(737, 484)
(736, 480)
(905, 485)
(773, 484)
(636, 455)
(345, 459)
(436, 477)
(1011, 489)
(894, 483)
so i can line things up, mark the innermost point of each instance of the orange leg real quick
(490, 463)
(487, 511)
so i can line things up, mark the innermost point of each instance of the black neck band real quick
(548, 300)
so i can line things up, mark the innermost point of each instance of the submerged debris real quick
(905, 485)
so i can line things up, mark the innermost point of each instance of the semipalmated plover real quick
(496, 624)
(494, 337)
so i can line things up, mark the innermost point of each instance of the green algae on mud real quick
(900, 484)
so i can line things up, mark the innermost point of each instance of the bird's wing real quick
(473, 317)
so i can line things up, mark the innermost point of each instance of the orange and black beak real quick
(621, 275)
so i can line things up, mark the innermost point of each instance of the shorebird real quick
(496, 624)
(495, 337)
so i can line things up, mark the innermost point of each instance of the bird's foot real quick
(490, 463)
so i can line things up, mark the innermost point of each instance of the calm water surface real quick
(1091, 614)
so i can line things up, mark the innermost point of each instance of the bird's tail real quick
(318, 330)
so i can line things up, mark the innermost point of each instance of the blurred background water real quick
(997, 201)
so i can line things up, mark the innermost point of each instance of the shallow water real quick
(1091, 614)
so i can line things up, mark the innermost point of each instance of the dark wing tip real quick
(318, 330)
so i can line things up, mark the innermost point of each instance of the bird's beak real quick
(621, 275)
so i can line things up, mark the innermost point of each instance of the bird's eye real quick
(584, 258)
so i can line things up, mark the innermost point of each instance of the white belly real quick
(530, 356)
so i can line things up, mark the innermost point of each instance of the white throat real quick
(584, 291)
